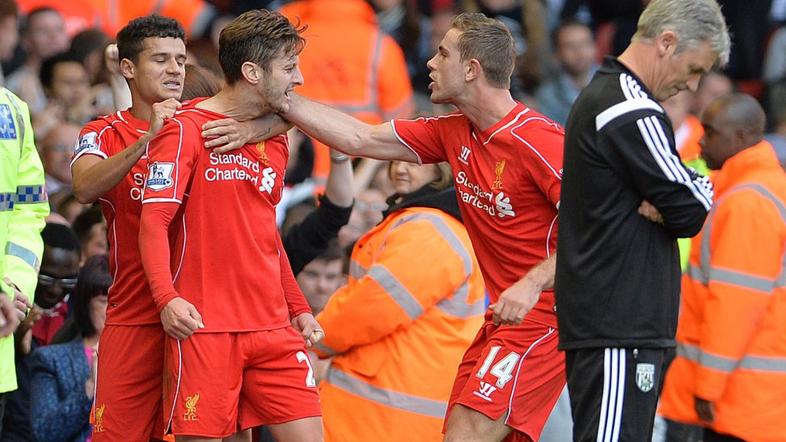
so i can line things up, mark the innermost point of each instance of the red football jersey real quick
(130, 302)
(233, 267)
(507, 179)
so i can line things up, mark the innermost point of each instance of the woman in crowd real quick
(64, 373)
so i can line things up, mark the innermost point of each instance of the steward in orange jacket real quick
(730, 371)
(350, 64)
(398, 329)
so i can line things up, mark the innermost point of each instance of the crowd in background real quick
(54, 57)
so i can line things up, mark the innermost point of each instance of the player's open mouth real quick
(172, 84)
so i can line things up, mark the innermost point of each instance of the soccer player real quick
(235, 360)
(108, 166)
(507, 162)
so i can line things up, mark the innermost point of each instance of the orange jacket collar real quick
(756, 157)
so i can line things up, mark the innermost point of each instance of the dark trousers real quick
(614, 392)
(711, 436)
(2, 412)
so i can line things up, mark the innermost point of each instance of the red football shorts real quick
(129, 384)
(219, 383)
(513, 371)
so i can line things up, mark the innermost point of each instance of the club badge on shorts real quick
(645, 376)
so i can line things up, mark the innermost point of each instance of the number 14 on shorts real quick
(502, 370)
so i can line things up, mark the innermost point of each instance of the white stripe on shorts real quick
(518, 369)
(168, 427)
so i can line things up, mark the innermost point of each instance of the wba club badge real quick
(645, 377)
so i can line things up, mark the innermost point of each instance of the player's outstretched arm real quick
(346, 133)
(227, 134)
(93, 176)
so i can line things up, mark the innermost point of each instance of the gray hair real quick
(694, 21)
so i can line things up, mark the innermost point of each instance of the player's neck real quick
(236, 103)
(638, 58)
(486, 106)
(140, 110)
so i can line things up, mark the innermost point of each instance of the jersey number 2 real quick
(503, 369)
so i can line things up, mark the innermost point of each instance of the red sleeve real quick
(543, 143)
(92, 141)
(170, 165)
(154, 248)
(296, 300)
(422, 137)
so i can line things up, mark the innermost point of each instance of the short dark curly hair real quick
(130, 39)
(257, 36)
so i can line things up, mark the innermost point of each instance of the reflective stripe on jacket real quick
(399, 328)
(732, 330)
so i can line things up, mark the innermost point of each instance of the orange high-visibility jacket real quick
(399, 328)
(350, 64)
(731, 338)
(194, 15)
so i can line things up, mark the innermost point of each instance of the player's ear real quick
(472, 70)
(251, 72)
(127, 68)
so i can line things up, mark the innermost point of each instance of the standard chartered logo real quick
(268, 180)
(495, 204)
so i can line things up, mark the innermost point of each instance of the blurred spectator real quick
(9, 32)
(56, 150)
(401, 20)
(731, 338)
(68, 92)
(576, 53)
(66, 204)
(63, 374)
(369, 204)
(59, 269)
(749, 23)
(77, 14)
(712, 85)
(350, 64)
(312, 236)
(56, 280)
(778, 137)
(775, 75)
(43, 35)
(88, 47)
(322, 276)
(614, 21)
(526, 20)
(90, 228)
(433, 30)
(687, 130)
(194, 15)
(400, 326)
